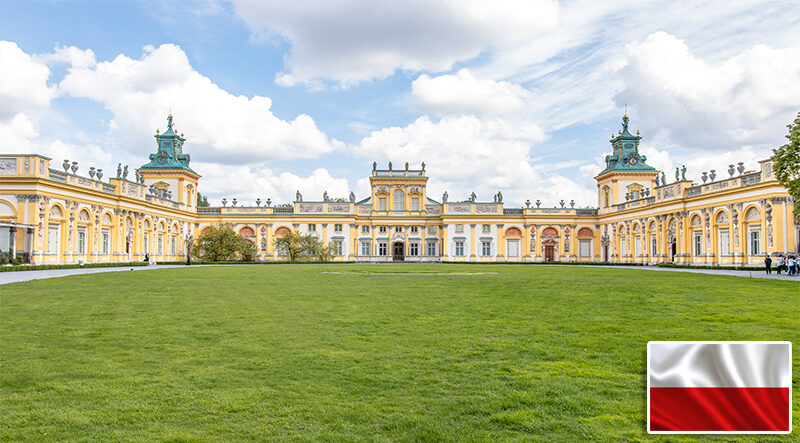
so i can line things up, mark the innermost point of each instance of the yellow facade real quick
(52, 216)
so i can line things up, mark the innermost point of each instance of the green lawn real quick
(288, 352)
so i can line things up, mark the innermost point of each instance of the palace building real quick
(51, 214)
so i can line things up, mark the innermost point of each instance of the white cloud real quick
(23, 82)
(20, 136)
(465, 154)
(264, 183)
(463, 93)
(744, 100)
(220, 126)
(75, 57)
(353, 41)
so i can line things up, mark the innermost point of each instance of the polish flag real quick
(719, 387)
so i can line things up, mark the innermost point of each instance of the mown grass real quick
(286, 352)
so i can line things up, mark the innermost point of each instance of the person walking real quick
(768, 263)
(781, 262)
(147, 258)
(791, 264)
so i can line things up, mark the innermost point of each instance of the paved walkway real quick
(18, 276)
(749, 274)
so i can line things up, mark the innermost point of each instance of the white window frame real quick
(106, 241)
(413, 248)
(431, 248)
(82, 241)
(336, 247)
(53, 238)
(382, 204)
(486, 229)
(312, 227)
(754, 241)
(415, 204)
(697, 243)
(459, 248)
(431, 229)
(486, 248)
(459, 228)
(383, 248)
(366, 248)
(398, 204)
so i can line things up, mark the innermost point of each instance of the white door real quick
(512, 248)
(724, 243)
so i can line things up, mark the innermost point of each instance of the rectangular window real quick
(431, 248)
(755, 245)
(460, 248)
(486, 248)
(147, 242)
(486, 229)
(634, 195)
(623, 247)
(106, 238)
(653, 246)
(698, 243)
(82, 242)
(382, 248)
(414, 230)
(365, 229)
(382, 229)
(52, 239)
(160, 244)
(173, 245)
(397, 201)
(413, 248)
(336, 247)
(337, 227)
(459, 228)
(312, 227)
(724, 242)
(431, 229)
(365, 248)
(382, 204)
(637, 246)
(585, 248)
(398, 229)
(415, 204)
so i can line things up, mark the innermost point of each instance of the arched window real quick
(398, 198)
(248, 233)
(585, 233)
(605, 196)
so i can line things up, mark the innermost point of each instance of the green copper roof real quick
(625, 152)
(170, 151)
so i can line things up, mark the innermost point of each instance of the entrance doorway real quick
(398, 251)
(673, 250)
(549, 253)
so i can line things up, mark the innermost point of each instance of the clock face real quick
(633, 160)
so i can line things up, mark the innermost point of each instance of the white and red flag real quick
(719, 387)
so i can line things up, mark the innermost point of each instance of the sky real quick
(279, 96)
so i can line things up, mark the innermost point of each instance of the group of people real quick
(790, 264)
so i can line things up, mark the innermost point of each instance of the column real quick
(12, 243)
(443, 241)
(472, 255)
(501, 243)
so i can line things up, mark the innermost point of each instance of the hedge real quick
(72, 266)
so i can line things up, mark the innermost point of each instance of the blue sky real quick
(518, 96)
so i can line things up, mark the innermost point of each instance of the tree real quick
(299, 247)
(786, 162)
(202, 201)
(221, 243)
